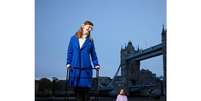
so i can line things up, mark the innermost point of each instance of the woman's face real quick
(87, 28)
(121, 91)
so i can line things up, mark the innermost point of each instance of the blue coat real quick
(80, 61)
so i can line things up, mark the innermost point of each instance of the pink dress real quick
(122, 98)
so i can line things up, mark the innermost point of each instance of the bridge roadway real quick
(147, 53)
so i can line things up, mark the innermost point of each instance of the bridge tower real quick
(163, 41)
(130, 70)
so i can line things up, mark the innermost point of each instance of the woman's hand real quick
(68, 66)
(97, 67)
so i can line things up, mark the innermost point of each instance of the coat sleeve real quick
(94, 56)
(69, 52)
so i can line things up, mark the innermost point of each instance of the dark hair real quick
(125, 93)
(79, 33)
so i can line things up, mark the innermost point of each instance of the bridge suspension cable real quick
(114, 77)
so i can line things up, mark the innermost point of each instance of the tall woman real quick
(81, 51)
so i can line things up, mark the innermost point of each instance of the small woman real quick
(122, 96)
(81, 51)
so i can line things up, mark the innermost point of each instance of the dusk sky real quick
(115, 23)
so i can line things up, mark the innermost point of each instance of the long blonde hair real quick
(80, 31)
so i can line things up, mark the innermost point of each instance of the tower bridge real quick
(130, 65)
